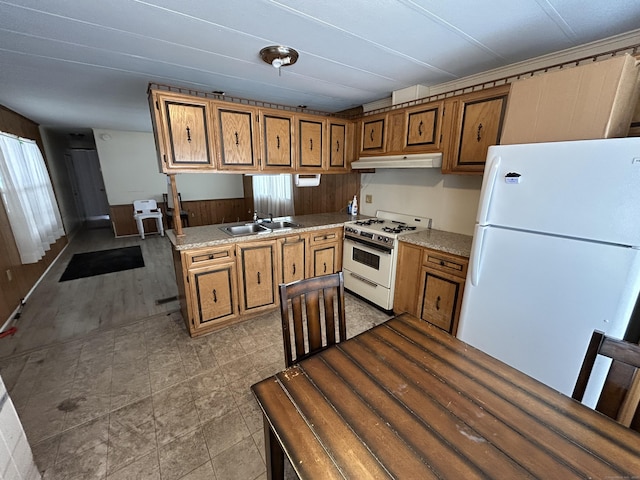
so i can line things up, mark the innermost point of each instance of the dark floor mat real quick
(104, 261)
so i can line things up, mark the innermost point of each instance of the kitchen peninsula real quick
(223, 279)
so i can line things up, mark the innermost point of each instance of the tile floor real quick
(146, 401)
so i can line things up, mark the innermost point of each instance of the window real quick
(28, 197)
(273, 194)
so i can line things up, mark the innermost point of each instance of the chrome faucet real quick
(257, 217)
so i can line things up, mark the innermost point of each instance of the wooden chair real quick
(620, 351)
(314, 327)
(184, 215)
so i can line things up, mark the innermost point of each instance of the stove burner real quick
(398, 229)
(370, 221)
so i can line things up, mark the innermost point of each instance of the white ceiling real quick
(74, 64)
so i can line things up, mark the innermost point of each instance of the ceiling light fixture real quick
(279, 56)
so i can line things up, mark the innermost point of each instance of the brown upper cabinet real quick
(474, 122)
(311, 136)
(195, 134)
(423, 127)
(237, 146)
(416, 129)
(277, 140)
(340, 146)
(182, 129)
(373, 134)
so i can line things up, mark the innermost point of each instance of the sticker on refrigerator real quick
(512, 177)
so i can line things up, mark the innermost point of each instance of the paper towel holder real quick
(302, 180)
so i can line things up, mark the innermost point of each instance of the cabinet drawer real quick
(446, 263)
(325, 236)
(196, 258)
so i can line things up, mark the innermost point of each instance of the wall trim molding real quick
(618, 43)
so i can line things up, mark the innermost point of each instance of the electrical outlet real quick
(368, 198)
(9, 275)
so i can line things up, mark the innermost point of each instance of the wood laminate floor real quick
(108, 384)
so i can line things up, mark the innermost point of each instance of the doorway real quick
(88, 187)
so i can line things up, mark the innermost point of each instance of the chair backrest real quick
(620, 351)
(168, 201)
(316, 326)
(144, 206)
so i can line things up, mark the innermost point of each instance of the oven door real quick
(369, 261)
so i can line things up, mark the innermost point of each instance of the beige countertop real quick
(210, 235)
(447, 242)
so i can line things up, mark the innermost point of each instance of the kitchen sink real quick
(279, 225)
(244, 229)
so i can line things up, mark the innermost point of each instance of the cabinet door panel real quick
(481, 125)
(293, 259)
(277, 141)
(373, 135)
(236, 138)
(422, 128)
(188, 134)
(474, 122)
(337, 141)
(214, 292)
(310, 142)
(440, 298)
(257, 275)
(324, 260)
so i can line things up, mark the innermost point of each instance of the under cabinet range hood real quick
(417, 160)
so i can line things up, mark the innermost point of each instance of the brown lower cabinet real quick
(292, 251)
(430, 285)
(224, 284)
(257, 276)
(325, 252)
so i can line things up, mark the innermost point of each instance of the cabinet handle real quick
(211, 256)
(294, 269)
(311, 144)
(188, 135)
(278, 141)
(215, 296)
(420, 128)
(438, 303)
(371, 135)
(258, 278)
(325, 267)
(337, 145)
(442, 263)
(479, 137)
(237, 139)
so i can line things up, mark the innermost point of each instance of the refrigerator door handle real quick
(476, 256)
(487, 190)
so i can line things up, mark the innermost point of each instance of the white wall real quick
(450, 200)
(130, 171)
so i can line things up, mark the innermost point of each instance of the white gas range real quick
(370, 254)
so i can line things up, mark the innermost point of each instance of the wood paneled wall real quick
(16, 279)
(201, 212)
(332, 195)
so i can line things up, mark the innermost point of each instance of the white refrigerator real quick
(555, 255)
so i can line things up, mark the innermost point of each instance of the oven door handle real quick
(364, 280)
(372, 245)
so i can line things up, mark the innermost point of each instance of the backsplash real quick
(450, 200)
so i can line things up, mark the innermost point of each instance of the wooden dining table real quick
(407, 400)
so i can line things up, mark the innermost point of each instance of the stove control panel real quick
(370, 235)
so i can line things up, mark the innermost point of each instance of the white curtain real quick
(28, 197)
(273, 194)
